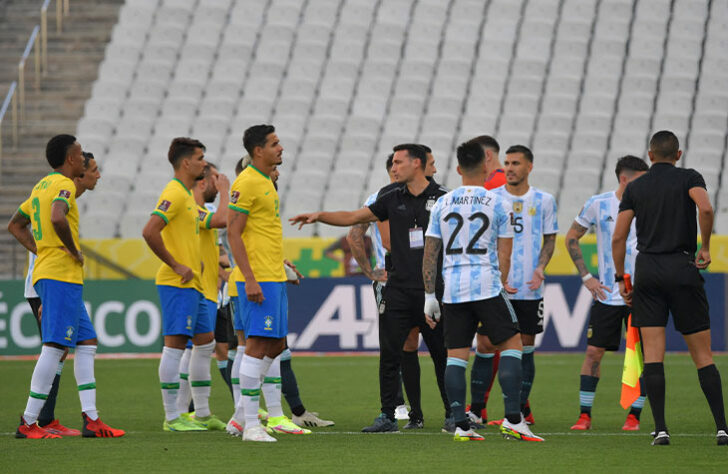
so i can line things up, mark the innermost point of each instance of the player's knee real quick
(513, 342)
(484, 346)
(594, 354)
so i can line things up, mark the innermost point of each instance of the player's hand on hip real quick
(626, 295)
(432, 309)
(536, 280)
(303, 219)
(596, 288)
(254, 292)
(702, 259)
(77, 255)
(185, 272)
(509, 289)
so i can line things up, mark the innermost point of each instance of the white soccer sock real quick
(41, 382)
(184, 396)
(272, 388)
(250, 370)
(200, 379)
(83, 369)
(235, 376)
(169, 380)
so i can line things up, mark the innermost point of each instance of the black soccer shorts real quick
(530, 315)
(495, 314)
(605, 325)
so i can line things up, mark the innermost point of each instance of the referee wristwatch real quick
(618, 278)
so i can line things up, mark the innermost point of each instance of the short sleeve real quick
(240, 201)
(695, 180)
(168, 205)
(550, 212)
(503, 221)
(205, 217)
(25, 209)
(587, 217)
(433, 227)
(379, 207)
(627, 203)
(64, 191)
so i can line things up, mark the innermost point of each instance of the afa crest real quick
(589, 332)
(268, 323)
(532, 211)
(69, 333)
(430, 203)
(517, 206)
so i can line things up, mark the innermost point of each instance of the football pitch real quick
(345, 389)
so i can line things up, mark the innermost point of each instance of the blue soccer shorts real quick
(184, 311)
(268, 319)
(64, 320)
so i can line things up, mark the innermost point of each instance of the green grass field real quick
(345, 389)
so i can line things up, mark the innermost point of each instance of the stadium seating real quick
(582, 82)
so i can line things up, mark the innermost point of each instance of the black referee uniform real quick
(403, 296)
(666, 279)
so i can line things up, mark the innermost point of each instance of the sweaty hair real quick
(57, 149)
(182, 147)
(486, 141)
(664, 145)
(87, 157)
(415, 151)
(256, 136)
(470, 154)
(630, 164)
(389, 161)
(521, 149)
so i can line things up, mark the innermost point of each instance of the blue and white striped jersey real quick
(533, 215)
(379, 250)
(601, 212)
(29, 290)
(469, 220)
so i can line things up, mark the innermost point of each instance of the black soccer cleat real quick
(722, 438)
(381, 424)
(414, 424)
(662, 438)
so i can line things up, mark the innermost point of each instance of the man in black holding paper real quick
(667, 277)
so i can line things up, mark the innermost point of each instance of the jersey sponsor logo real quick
(234, 197)
(164, 206)
(64, 194)
(268, 322)
(429, 204)
(517, 206)
(69, 333)
(609, 219)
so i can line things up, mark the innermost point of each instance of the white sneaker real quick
(401, 413)
(470, 435)
(476, 422)
(311, 419)
(257, 433)
(520, 431)
(234, 428)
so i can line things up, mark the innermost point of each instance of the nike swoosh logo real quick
(266, 193)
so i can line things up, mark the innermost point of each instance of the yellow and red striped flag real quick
(633, 361)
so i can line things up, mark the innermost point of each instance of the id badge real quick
(416, 238)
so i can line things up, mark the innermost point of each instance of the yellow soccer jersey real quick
(232, 286)
(53, 261)
(210, 254)
(181, 235)
(253, 193)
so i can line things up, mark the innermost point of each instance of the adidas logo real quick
(610, 219)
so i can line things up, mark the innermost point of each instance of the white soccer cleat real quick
(401, 413)
(234, 428)
(470, 435)
(519, 431)
(311, 419)
(257, 433)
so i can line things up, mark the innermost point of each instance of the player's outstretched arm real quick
(505, 248)
(619, 248)
(355, 237)
(544, 257)
(220, 218)
(338, 218)
(236, 225)
(59, 209)
(152, 234)
(594, 286)
(705, 220)
(19, 227)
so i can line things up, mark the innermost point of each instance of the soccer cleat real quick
(234, 428)
(631, 423)
(401, 412)
(470, 435)
(584, 423)
(381, 424)
(448, 426)
(519, 431)
(33, 431)
(476, 422)
(414, 424)
(55, 427)
(495, 422)
(662, 438)
(311, 419)
(262, 415)
(722, 438)
(181, 424)
(98, 429)
(211, 423)
(257, 433)
(281, 424)
(529, 419)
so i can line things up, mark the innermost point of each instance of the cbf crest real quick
(69, 333)
(189, 323)
(268, 322)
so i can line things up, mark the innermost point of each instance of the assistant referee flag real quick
(633, 361)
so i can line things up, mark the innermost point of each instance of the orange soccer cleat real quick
(98, 429)
(583, 423)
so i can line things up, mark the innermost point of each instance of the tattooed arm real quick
(429, 263)
(594, 286)
(547, 251)
(357, 244)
